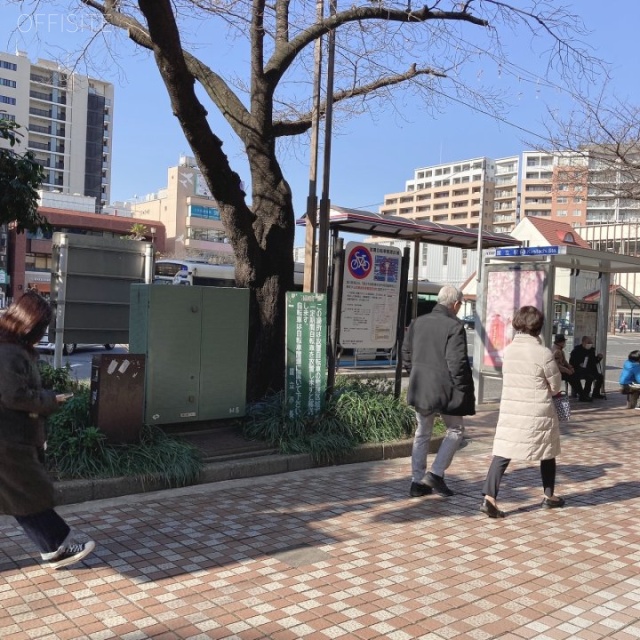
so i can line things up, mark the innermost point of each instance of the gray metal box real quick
(195, 343)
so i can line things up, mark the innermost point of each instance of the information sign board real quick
(306, 357)
(370, 296)
(530, 251)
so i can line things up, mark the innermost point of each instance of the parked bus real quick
(193, 272)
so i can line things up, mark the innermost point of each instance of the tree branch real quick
(286, 53)
(292, 128)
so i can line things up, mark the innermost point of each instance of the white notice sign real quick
(370, 296)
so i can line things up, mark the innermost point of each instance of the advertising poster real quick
(370, 296)
(507, 291)
(586, 323)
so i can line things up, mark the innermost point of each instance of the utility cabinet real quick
(195, 340)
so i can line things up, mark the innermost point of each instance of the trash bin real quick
(117, 396)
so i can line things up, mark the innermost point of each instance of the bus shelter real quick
(354, 221)
(514, 277)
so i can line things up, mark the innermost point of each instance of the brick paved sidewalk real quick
(343, 552)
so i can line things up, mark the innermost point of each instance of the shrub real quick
(358, 411)
(77, 449)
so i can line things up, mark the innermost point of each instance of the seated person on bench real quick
(630, 379)
(584, 360)
(566, 370)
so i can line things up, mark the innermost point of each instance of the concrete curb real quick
(75, 491)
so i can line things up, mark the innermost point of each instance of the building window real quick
(209, 213)
(465, 256)
(577, 212)
(445, 256)
(561, 213)
(8, 83)
(8, 65)
(7, 100)
(424, 254)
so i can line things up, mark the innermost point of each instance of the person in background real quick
(26, 490)
(528, 427)
(435, 353)
(630, 379)
(567, 372)
(585, 361)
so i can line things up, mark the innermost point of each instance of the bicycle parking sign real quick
(359, 262)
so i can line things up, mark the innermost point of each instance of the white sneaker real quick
(71, 553)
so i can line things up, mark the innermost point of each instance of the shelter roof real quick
(570, 257)
(399, 227)
(558, 233)
(624, 297)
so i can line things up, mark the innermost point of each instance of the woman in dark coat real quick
(26, 491)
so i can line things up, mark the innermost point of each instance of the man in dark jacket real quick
(585, 361)
(435, 353)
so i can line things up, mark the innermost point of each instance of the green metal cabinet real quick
(195, 343)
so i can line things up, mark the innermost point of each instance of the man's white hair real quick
(449, 295)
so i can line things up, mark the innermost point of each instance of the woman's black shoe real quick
(553, 504)
(491, 510)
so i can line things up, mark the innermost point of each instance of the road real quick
(80, 360)
(618, 348)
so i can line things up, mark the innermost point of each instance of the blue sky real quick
(369, 158)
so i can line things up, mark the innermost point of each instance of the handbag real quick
(563, 408)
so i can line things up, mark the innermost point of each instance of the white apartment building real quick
(67, 120)
(189, 213)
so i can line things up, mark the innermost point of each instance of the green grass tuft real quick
(358, 411)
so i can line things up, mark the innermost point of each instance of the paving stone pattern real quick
(343, 552)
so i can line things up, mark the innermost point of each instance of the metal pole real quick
(312, 198)
(325, 205)
(480, 226)
(336, 309)
(60, 302)
(402, 319)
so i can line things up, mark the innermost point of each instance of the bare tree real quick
(380, 47)
(601, 138)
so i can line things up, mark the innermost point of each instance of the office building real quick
(67, 121)
(189, 214)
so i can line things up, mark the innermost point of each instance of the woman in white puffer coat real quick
(528, 426)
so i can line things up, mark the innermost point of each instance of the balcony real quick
(43, 146)
(38, 95)
(40, 112)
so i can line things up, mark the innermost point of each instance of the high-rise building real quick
(67, 123)
(554, 185)
(459, 193)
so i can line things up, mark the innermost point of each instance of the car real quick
(469, 322)
(68, 348)
(563, 327)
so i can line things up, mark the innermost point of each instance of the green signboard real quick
(306, 358)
